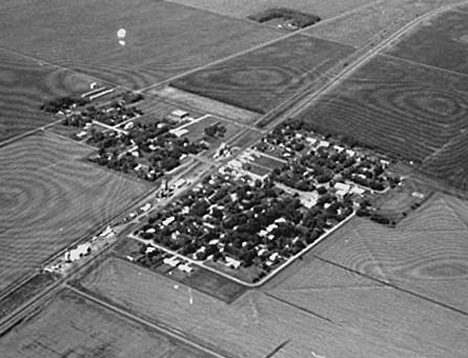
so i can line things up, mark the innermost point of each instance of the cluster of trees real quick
(63, 103)
(297, 18)
(216, 130)
(158, 150)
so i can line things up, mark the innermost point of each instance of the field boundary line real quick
(302, 309)
(421, 64)
(166, 330)
(394, 286)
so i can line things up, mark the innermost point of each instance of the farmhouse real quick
(78, 252)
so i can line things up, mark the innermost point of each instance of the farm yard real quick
(163, 39)
(50, 198)
(204, 104)
(373, 23)
(448, 31)
(313, 306)
(260, 80)
(69, 326)
(243, 8)
(403, 109)
(24, 87)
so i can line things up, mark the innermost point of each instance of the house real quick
(232, 262)
(342, 189)
(178, 115)
(168, 221)
(171, 261)
(145, 207)
(128, 126)
(185, 268)
(78, 252)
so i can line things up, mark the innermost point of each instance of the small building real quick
(178, 115)
(146, 207)
(185, 268)
(78, 252)
(128, 126)
(232, 262)
(168, 221)
(171, 261)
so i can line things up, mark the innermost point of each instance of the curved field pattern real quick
(24, 86)
(403, 109)
(427, 253)
(449, 32)
(162, 39)
(51, 198)
(260, 80)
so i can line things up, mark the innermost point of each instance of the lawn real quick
(260, 80)
(69, 326)
(449, 32)
(312, 306)
(50, 198)
(403, 109)
(163, 39)
(24, 87)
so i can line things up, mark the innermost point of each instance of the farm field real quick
(70, 326)
(426, 253)
(25, 85)
(260, 80)
(163, 39)
(261, 322)
(403, 109)
(244, 8)
(204, 104)
(50, 198)
(449, 32)
(373, 23)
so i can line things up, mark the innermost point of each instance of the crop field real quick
(25, 85)
(51, 198)
(204, 104)
(403, 109)
(426, 254)
(448, 32)
(260, 80)
(260, 323)
(244, 8)
(70, 326)
(162, 38)
(373, 23)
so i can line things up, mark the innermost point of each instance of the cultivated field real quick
(50, 198)
(448, 32)
(69, 326)
(426, 254)
(373, 23)
(358, 318)
(403, 109)
(24, 86)
(244, 8)
(163, 39)
(260, 80)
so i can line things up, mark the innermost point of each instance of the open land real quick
(448, 32)
(400, 108)
(25, 85)
(70, 326)
(50, 198)
(163, 39)
(332, 312)
(260, 80)
(244, 8)
(205, 104)
(371, 24)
